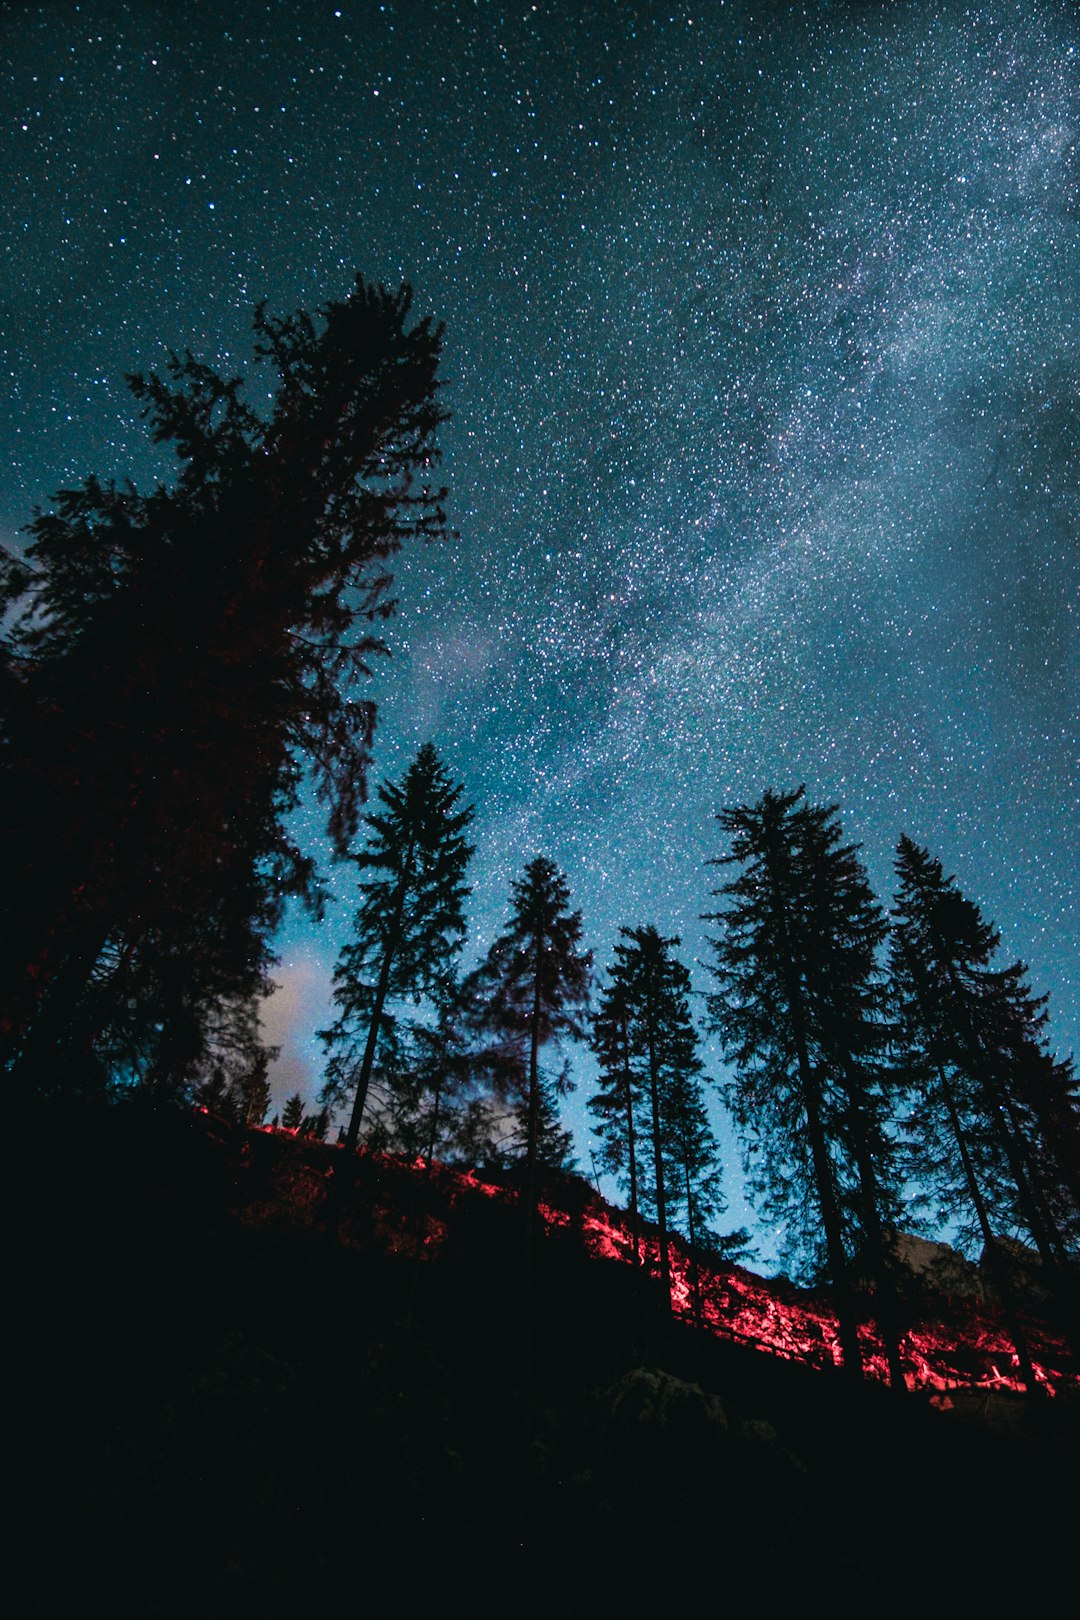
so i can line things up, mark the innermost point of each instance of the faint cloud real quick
(290, 1017)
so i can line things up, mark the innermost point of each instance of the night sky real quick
(762, 349)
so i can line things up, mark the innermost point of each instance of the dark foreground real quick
(217, 1413)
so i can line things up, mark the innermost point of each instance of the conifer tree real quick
(618, 1093)
(253, 1089)
(174, 663)
(292, 1115)
(409, 926)
(799, 1009)
(993, 1117)
(532, 990)
(650, 1073)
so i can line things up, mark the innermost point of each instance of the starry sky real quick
(762, 348)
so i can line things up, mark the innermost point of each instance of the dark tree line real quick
(861, 1083)
(877, 1064)
(174, 665)
(453, 1063)
(649, 1107)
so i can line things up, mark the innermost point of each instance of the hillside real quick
(230, 1416)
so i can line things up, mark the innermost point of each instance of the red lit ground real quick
(971, 1350)
(738, 1305)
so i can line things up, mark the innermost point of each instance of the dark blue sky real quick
(762, 352)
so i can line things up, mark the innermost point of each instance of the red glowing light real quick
(971, 1351)
(740, 1306)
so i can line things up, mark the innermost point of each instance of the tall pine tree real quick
(799, 1009)
(409, 926)
(650, 1090)
(531, 991)
(993, 1118)
(618, 1095)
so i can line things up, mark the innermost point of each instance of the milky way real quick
(762, 354)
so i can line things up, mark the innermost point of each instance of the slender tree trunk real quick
(635, 1220)
(885, 1303)
(534, 1087)
(434, 1124)
(695, 1274)
(998, 1268)
(831, 1219)
(390, 948)
(832, 1223)
(1056, 1246)
(658, 1162)
(531, 1176)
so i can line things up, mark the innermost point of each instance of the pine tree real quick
(799, 1009)
(650, 1089)
(173, 665)
(409, 926)
(252, 1089)
(530, 991)
(993, 1118)
(618, 1094)
(292, 1115)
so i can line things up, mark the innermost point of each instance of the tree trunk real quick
(533, 1128)
(885, 1303)
(695, 1274)
(434, 1125)
(832, 1223)
(998, 1268)
(635, 1220)
(390, 947)
(828, 1203)
(658, 1163)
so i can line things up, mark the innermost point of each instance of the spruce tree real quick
(618, 1093)
(292, 1115)
(799, 1009)
(993, 1118)
(409, 926)
(252, 1090)
(532, 990)
(650, 1090)
(173, 666)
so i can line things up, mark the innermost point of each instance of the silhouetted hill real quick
(221, 1413)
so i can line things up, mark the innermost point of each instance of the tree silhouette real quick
(799, 1009)
(292, 1115)
(993, 1117)
(650, 1089)
(532, 990)
(174, 663)
(409, 926)
(618, 1093)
